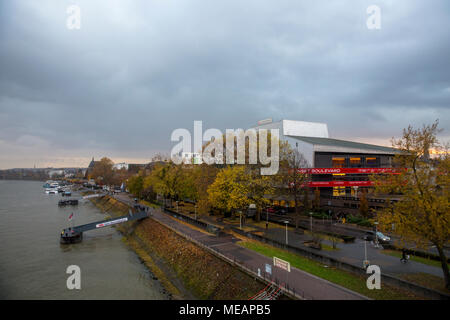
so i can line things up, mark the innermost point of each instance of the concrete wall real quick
(297, 128)
(289, 129)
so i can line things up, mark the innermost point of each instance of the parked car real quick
(251, 211)
(271, 210)
(382, 237)
(370, 236)
(281, 210)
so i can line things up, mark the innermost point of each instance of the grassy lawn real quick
(324, 236)
(262, 224)
(247, 229)
(398, 254)
(340, 277)
(149, 204)
(426, 280)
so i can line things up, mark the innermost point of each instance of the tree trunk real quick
(444, 266)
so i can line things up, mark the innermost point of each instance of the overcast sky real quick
(137, 70)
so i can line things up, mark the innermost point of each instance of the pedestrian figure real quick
(405, 257)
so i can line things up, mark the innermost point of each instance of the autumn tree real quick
(203, 176)
(169, 180)
(160, 157)
(364, 203)
(317, 199)
(135, 185)
(252, 151)
(229, 192)
(292, 181)
(422, 215)
(119, 176)
(259, 188)
(253, 148)
(103, 171)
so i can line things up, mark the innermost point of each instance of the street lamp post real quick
(267, 218)
(286, 222)
(365, 262)
(195, 211)
(310, 222)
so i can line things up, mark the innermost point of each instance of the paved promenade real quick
(304, 284)
(353, 253)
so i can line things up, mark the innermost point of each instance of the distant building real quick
(120, 166)
(135, 167)
(55, 172)
(191, 158)
(90, 167)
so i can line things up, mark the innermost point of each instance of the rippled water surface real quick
(33, 263)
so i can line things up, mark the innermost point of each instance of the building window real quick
(355, 162)
(371, 161)
(338, 191)
(338, 162)
(338, 175)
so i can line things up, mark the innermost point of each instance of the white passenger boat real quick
(51, 191)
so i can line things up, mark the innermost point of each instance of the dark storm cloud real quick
(137, 70)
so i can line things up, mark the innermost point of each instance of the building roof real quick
(335, 144)
(92, 163)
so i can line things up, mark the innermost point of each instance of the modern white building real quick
(311, 139)
(290, 130)
(295, 128)
(338, 167)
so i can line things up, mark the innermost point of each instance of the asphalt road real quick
(304, 284)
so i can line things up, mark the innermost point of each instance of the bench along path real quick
(304, 284)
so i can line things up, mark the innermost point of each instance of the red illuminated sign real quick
(347, 170)
(324, 184)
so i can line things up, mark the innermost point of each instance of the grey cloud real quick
(139, 69)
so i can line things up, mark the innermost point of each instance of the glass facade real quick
(338, 162)
(355, 162)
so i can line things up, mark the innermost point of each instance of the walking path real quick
(352, 253)
(304, 284)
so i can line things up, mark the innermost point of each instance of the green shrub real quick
(365, 223)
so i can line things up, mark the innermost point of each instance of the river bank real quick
(185, 270)
(33, 263)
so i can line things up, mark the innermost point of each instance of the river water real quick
(33, 263)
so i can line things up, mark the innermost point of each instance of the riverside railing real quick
(289, 291)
